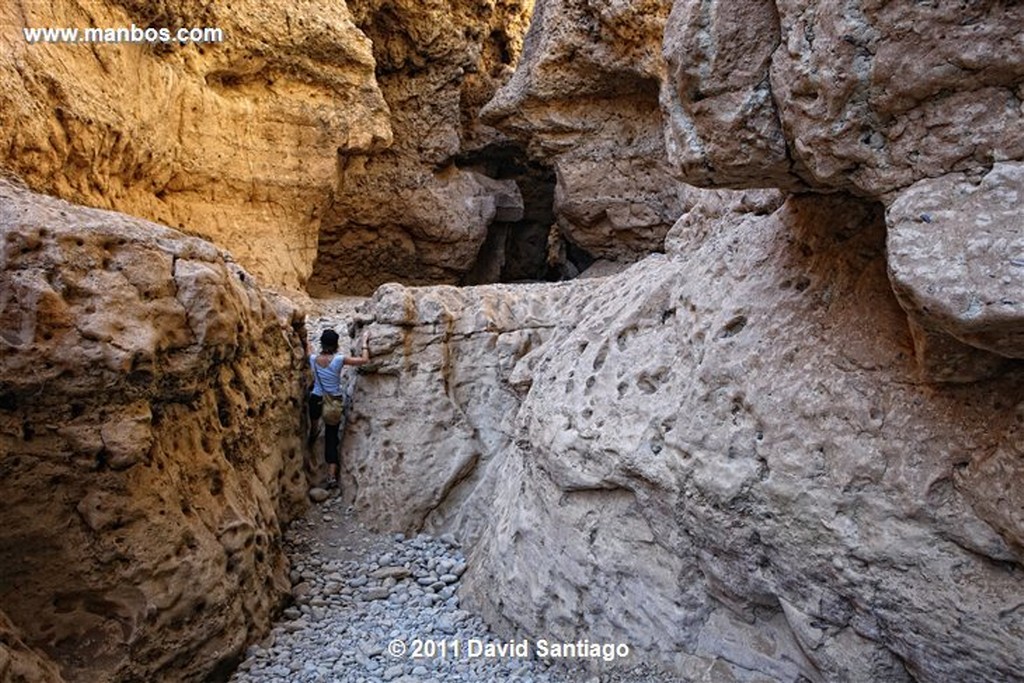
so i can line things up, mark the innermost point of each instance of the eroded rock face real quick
(865, 97)
(584, 98)
(956, 259)
(745, 481)
(895, 102)
(722, 125)
(412, 213)
(18, 662)
(876, 95)
(428, 422)
(149, 431)
(235, 141)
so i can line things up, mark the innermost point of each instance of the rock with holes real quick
(862, 96)
(233, 138)
(745, 477)
(712, 456)
(428, 419)
(956, 260)
(721, 121)
(149, 444)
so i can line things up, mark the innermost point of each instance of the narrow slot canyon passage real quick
(388, 607)
(383, 606)
(693, 329)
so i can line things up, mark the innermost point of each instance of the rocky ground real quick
(385, 607)
(371, 607)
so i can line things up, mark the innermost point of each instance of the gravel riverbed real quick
(372, 608)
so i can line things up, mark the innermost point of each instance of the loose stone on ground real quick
(372, 608)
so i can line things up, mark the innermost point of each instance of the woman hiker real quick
(327, 367)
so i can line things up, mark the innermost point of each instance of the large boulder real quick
(236, 141)
(150, 446)
(911, 104)
(865, 97)
(956, 260)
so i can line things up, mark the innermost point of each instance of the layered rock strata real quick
(236, 140)
(745, 481)
(149, 431)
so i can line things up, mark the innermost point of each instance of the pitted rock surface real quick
(956, 257)
(149, 444)
(746, 479)
(864, 97)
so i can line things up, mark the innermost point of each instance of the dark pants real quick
(332, 433)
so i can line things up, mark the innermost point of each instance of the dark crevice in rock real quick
(524, 248)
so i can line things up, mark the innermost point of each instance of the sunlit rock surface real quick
(236, 141)
(150, 445)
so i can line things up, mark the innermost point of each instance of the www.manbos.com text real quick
(123, 34)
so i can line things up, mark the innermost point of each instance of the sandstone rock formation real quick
(746, 481)
(149, 445)
(956, 257)
(236, 141)
(865, 97)
(448, 352)
(585, 100)
(738, 458)
(873, 99)
(418, 212)
(20, 663)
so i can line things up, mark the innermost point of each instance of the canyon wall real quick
(150, 402)
(747, 481)
(236, 141)
(419, 211)
(585, 100)
(788, 450)
(864, 96)
(918, 106)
